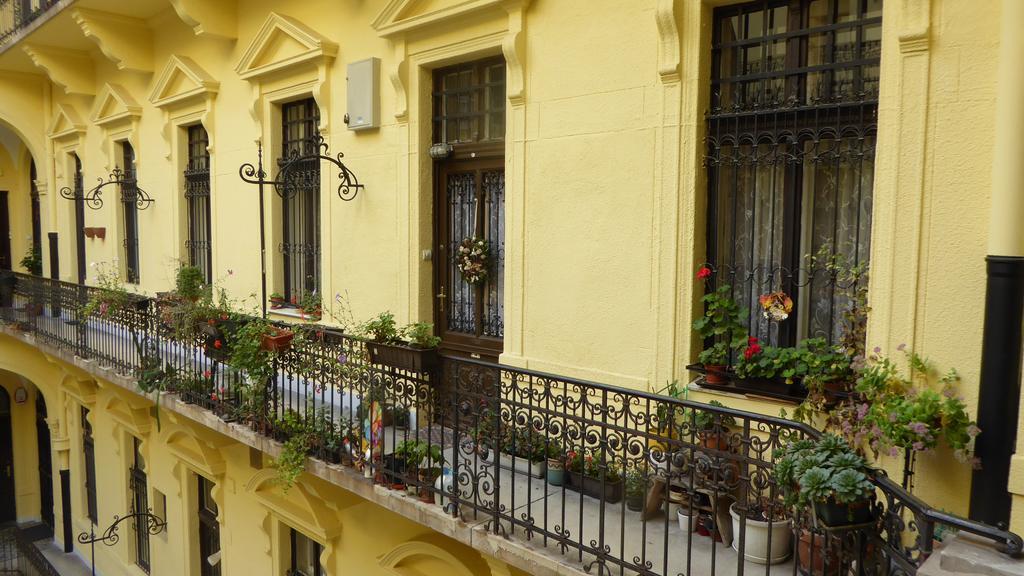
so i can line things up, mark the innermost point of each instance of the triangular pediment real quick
(182, 79)
(66, 122)
(113, 104)
(400, 16)
(281, 43)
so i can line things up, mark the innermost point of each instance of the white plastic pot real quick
(755, 546)
(686, 523)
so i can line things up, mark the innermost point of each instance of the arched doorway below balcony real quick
(8, 513)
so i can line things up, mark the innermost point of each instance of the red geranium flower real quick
(703, 273)
(751, 339)
(207, 374)
(217, 344)
(751, 350)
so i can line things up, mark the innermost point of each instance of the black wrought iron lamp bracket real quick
(94, 197)
(153, 523)
(348, 185)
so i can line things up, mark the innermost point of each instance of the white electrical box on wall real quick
(364, 94)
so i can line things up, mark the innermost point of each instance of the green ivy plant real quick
(246, 351)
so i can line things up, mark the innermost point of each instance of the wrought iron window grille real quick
(130, 191)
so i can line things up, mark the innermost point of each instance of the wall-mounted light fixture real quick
(441, 150)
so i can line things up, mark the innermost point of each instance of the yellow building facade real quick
(596, 116)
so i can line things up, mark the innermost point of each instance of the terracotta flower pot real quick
(277, 340)
(715, 374)
(814, 558)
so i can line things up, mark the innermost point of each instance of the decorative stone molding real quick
(285, 46)
(81, 390)
(400, 17)
(206, 18)
(301, 508)
(183, 91)
(393, 560)
(182, 80)
(915, 25)
(114, 104)
(66, 124)
(70, 69)
(127, 42)
(669, 48)
(283, 43)
(202, 455)
(117, 112)
(131, 411)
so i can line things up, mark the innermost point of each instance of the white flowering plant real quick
(473, 259)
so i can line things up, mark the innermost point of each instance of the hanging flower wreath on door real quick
(473, 259)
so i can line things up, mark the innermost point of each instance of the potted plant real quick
(913, 412)
(712, 428)
(276, 339)
(828, 476)
(32, 261)
(277, 300)
(427, 459)
(387, 347)
(525, 450)
(311, 306)
(722, 329)
(768, 538)
(556, 470)
(594, 476)
(636, 488)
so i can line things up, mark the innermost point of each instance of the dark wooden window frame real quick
(199, 244)
(140, 503)
(89, 455)
(301, 244)
(129, 195)
(317, 550)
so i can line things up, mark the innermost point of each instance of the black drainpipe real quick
(999, 390)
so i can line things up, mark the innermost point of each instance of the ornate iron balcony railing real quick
(470, 437)
(15, 15)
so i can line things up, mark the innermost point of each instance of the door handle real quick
(441, 297)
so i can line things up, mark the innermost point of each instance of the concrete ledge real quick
(969, 554)
(472, 533)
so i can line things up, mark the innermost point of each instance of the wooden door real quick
(469, 207)
(7, 509)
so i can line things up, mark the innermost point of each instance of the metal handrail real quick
(474, 401)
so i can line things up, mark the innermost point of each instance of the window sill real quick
(746, 393)
(289, 313)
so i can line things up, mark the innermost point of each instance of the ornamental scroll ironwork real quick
(286, 184)
(130, 191)
(152, 523)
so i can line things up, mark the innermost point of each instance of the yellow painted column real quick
(1006, 235)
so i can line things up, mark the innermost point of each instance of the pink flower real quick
(918, 446)
(877, 349)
